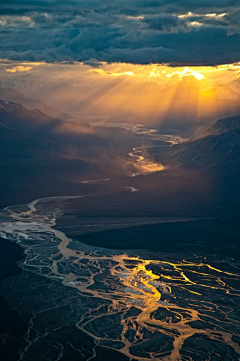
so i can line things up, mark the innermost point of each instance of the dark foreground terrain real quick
(131, 246)
(12, 326)
(216, 236)
(91, 303)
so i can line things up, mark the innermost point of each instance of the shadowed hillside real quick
(45, 156)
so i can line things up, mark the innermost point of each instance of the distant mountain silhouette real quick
(225, 125)
(15, 96)
(219, 146)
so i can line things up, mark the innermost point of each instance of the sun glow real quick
(20, 68)
(157, 92)
(163, 72)
(195, 23)
(194, 15)
(187, 72)
(148, 94)
(111, 73)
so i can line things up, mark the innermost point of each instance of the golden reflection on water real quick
(147, 309)
(165, 307)
(144, 164)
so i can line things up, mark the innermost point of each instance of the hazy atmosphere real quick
(119, 207)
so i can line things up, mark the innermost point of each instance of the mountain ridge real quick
(15, 96)
(221, 143)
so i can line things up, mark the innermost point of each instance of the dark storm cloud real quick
(166, 23)
(137, 31)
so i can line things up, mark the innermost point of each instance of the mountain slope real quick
(218, 147)
(13, 95)
(44, 156)
(225, 125)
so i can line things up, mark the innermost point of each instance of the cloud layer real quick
(136, 31)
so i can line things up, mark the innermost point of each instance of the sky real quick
(177, 32)
(147, 61)
(149, 94)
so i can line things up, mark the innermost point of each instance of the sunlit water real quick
(144, 165)
(163, 308)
